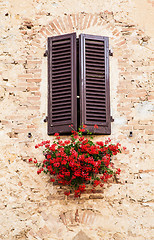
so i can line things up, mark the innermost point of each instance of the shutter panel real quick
(94, 83)
(62, 92)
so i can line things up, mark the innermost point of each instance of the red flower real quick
(95, 126)
(96, 183)
(67, 174)
(30, 160)
(82, 188)
(81, 130)
(56, 164)
(48, 156)
(118, 171)
(52, 180)
(56, 134)
(67, 193)
(35, 161)
(77, 193)
(67, 141)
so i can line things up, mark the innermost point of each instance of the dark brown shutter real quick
(62, 93)
(94, 83)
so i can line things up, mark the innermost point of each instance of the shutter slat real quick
(94, 80)
(64, 62)
(58, 68)
(61, 78)
(54, 97)
(62, 83)
(61, 51)
(60, 42)
(65, 72)
(97, 62)
(95, 68)
(91, 57)
(57, 58)
(95, 104)
(92, 42)
(60, 74)
(95, 72)
(55, 105)
(94, 83)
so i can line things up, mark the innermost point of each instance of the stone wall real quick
(31, 207)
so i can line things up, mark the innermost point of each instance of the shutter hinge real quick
(110, 52)
(45, 119)
(111, 119)
(46, 53)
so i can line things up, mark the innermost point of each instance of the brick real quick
(32, 126)
(77, 21)
(151, 97)
(115, 32)
(70, 22)
(73, 20)
(4, 122)
(54, 27)
(33, 88)
(146, 171)
(21, 88)
(55, 22)
(36, 98)
(34, 107)
(36, 80)
(58, 25)
(121, 43)
(96, 196)
(21, 130)
(43, 33)
(34, 62)
(149, 132)
(47, 31)
(33, 71)
(37, 93)
(81, 20)
(143, 122)
(95, 19)
(85, 22)
(141, 93)
(122, 90)
(61, 24)
(25, 76)
(89, 20)
(43, 232)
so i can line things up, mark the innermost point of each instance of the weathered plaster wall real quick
(30, 207)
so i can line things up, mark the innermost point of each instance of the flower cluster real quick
(78, 161)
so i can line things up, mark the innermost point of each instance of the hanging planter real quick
(78, 162)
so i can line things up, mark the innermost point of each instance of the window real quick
(78, 77)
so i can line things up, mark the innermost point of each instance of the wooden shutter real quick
(62, 93)
(94, 83)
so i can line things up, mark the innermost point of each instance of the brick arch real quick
(80, 217)
(80, 21)
(75, 219)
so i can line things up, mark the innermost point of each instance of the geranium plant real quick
(78, 161)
